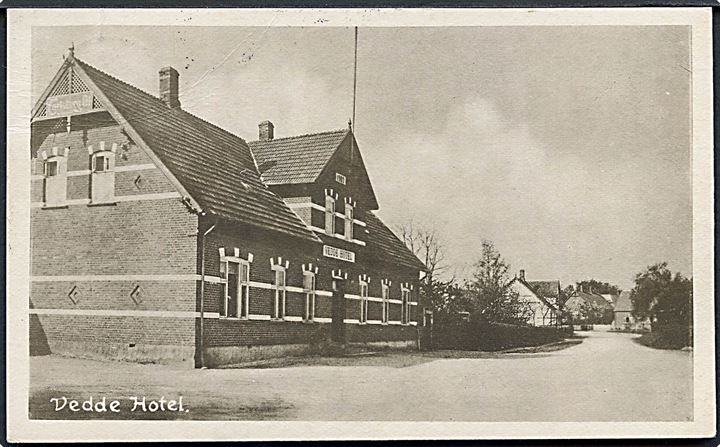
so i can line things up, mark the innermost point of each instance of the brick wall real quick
(264, 246)
(153, 238)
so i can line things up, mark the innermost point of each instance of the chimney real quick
(522, 275)
(266, 131)
(170, 87)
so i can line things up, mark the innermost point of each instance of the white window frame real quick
(55, 186)
(405, 310)
(106, 165)
(385, 304)
(363, 301)
(280, 292)
(243, 292)
(310, 295)
(106, 175)
(47, 162)
(349, 217)
(330, 208)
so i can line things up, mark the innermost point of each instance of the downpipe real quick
(202, 294)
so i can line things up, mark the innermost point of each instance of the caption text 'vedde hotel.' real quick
(157, 236)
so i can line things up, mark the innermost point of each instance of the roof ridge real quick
(82, 62)
(300, 136)
(138, 89)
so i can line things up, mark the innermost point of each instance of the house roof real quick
(538, 294)
(593, 298)
(214, 167)
(298, 159)
(609, 297)
(383, 244)
(623, 302)
(549, 289)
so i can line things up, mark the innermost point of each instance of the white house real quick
(540, 299)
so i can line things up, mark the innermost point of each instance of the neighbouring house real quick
(623, 315)
(589, 308)
(610, 298)
(156, 237)
(540, 300)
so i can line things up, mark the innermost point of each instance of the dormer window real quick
(329, 215)
(103, 178)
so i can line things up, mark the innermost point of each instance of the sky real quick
(568, 147)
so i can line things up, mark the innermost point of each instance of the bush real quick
(667, 336)
(484, 336)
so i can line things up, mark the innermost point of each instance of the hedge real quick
(494, 336)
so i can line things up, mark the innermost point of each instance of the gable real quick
(357, 178)
(213, 169)
(524, 292)
(314, 159)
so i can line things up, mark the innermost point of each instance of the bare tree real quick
(426, 244)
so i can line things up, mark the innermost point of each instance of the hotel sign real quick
(72, 104)
(338, 253)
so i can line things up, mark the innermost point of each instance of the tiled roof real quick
(298, 159)
(214, 166)
(545, 288)
(623, 302)
(592, 298)
(384, 245)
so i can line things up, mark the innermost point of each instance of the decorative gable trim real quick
(364, 278)
(132, 133)
(339, 274)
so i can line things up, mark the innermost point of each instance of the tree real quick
(427, 245)
(662, 297)
(596, 286)
(492, 298)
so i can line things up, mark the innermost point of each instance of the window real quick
(340, 178)
(103, 179)
(101, 163)
(363, 301)
(280, 293)
(385, 303)
(349, 212)
(309, 287)
(405, 310)
(51, 168)
(237, 289)
(329, 215)
(55, 181)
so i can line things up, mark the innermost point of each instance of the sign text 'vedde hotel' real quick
(155, 237)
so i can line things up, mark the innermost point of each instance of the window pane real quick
(100, 164)
(244, 272)
(51, 168)
(309, 281)
(232, 289)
